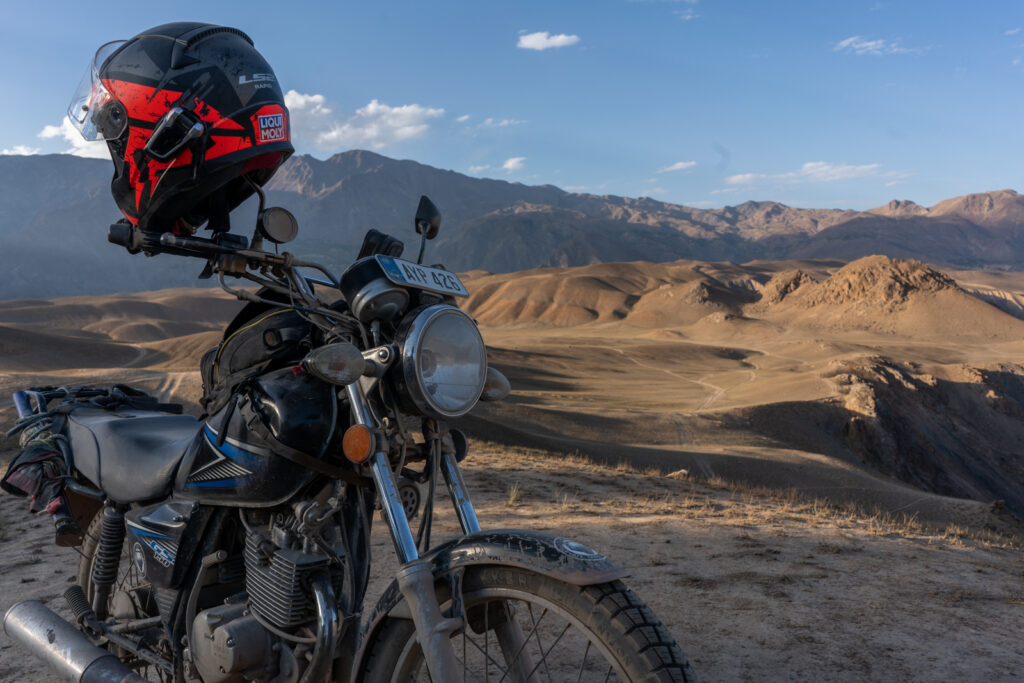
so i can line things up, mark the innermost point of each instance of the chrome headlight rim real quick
(410, 338)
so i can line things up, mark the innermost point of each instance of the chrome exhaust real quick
(63, 647)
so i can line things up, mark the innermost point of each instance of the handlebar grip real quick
(120, 233)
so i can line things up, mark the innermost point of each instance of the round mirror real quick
(278, 225)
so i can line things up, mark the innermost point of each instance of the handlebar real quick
(226, 244)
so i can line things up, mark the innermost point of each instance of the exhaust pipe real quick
(63, 647)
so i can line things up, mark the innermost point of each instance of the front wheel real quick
(566, 633)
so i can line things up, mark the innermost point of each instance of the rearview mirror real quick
(277, 225)
(428, 218)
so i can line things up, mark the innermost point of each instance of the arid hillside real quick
(770, 448)
(878, 381)
(814, 374)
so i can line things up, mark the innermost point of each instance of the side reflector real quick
(357, 444)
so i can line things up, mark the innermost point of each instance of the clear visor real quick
(87, 110)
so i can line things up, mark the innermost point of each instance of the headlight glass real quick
(444, 361)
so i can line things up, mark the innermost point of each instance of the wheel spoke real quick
(488, 658)
(518, 611)
(540, 644)
(583, 663)
(544, 655)
(526, 640)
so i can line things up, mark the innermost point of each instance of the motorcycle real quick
(237, 547)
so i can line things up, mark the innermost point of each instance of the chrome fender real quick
(553, 556)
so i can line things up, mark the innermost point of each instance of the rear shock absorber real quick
(107, 558)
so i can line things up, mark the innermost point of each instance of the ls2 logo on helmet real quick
(271, 128)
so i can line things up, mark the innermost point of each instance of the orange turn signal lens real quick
(357, 444)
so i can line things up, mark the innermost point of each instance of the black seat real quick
(131, 455)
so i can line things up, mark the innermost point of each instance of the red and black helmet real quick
(193, 116)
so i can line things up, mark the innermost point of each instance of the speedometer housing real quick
(443, 361)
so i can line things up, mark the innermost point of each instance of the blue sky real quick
(704, 103)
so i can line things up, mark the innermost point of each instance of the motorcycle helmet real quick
(193, 117)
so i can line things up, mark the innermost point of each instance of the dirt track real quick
(753, 587)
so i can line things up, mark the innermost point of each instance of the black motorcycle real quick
(236, 547)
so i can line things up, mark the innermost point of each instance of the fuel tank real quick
(229, 463)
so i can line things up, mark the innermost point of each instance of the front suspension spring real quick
(107, 558)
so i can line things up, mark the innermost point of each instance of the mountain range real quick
(54, 211)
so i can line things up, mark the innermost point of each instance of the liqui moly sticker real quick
(270, 125)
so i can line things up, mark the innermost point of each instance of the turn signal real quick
(357, 444)
(496, 386)
(339, 364)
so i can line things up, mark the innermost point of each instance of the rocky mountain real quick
(54, 211)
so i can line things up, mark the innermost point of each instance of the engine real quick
(265, 633)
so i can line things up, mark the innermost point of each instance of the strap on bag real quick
(254, 422)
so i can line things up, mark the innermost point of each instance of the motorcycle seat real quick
(131, 455)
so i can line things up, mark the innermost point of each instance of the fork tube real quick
(510, 634)
(459, 494)
(390, 501)
(394, 513)
(415, 578)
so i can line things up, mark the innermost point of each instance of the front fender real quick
(553, 556)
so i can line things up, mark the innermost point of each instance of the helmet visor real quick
(89, 110)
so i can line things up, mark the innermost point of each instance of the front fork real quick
(415, 578)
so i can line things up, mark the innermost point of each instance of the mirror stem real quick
(423, 246)
(257, 239)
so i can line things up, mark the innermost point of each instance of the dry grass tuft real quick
(514, 493)
(646, 492)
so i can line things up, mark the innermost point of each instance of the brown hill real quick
(999, 210)
(894, 296)
(875, 293)
(646, 294)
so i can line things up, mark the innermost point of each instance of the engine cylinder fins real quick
(277, 584)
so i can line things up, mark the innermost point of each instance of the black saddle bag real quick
(260, 339)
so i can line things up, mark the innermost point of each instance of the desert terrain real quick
(812, 469)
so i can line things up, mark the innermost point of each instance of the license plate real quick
(422, 277)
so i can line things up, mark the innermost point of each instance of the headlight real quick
(444, 362)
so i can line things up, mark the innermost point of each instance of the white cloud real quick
(542, 40)
(478, 169)
(463, 118)
(310, 104)
(20, 150)
(875, 48)
(500, 123)
(1012, 31)
(376, 125)
(80, 147)
(686, 14)
(650, 192)
(678, 166)
(514, 164)
(811, 172)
